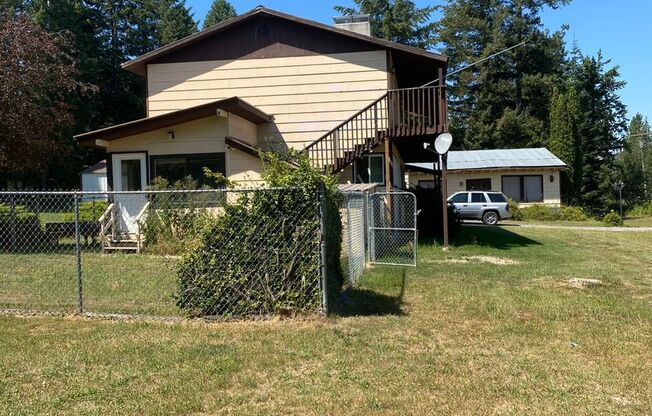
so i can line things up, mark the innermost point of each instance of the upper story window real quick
(369, 169)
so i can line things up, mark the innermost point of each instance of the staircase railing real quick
(107, 225)
(397, 113)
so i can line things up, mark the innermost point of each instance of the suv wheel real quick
(490, 218)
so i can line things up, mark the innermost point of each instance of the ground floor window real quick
(176, 168)
(426, 184)
(369, 169)
(483, 184)
(523, 188)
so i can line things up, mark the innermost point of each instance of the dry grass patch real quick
(471, 337)
(499, 261)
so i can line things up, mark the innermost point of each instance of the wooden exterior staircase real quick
(396, 114)
(113, 239)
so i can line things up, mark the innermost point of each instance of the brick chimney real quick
(358, 23)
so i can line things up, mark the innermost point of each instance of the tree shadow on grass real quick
(492, 236)
(358, 301)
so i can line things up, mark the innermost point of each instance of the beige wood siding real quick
(243, 169)
(456, 181)
(200, 136)
(308, 96)
(243, 129)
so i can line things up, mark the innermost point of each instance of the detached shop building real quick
(529, 176)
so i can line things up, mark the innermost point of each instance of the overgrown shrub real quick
(19, 228)
(175, 221)
(612, 219)
(540, 212)
(261, 256)
(515, 210)
(573, 213)
(641, 210)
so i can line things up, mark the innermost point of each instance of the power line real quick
(478, 62)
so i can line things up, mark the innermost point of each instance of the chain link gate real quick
(393, 228)
(355, 233)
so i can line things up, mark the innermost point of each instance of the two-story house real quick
(267, 80)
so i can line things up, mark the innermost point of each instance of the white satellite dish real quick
(443, 143)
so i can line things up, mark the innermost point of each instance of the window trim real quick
(369, 156)
(187, 156)
(522, 187)
(466, 184)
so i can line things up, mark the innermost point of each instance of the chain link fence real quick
(213, 253)
(393, 228)
(354, 218)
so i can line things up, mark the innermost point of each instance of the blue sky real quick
(622, 30)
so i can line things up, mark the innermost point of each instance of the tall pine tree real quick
(175, 22)
(601, 126)
(503, 102)
(220, 11)
(634, 161)
(565, 142)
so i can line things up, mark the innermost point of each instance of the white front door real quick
(129, 174)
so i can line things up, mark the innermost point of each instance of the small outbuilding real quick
(528, 176)
(93, 178)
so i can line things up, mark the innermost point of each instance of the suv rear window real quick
(497, 198)
(476, 197)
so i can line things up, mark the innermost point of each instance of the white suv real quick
(490, 207)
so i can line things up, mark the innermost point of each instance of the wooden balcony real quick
(396, 114)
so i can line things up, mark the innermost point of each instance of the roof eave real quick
(233, 105)
(139, 65)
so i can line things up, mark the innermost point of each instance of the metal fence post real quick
(12, 215)
(80, 295)
(322, 249)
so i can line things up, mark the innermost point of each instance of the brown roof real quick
(232, 105)
(138, 65)
(242, 146)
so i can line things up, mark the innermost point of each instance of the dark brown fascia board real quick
(242, 146)
(138, 65)
(232, 105)
(560, 167)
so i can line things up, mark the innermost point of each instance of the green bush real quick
(90, 211)
(515, 210)
(641, 210)
(261, 256)
(175, 221)
(19, 228)
(573, 214)
(612, 219)
(540, 212)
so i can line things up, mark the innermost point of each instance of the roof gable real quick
(265, 33)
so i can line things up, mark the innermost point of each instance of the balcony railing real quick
(397, 113)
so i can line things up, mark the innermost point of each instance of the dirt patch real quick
(582, 283)
(501, 261)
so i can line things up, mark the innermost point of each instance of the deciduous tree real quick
(37, 79)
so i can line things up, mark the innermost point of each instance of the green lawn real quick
(628, 222)
(490, 327)
(115, 283)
